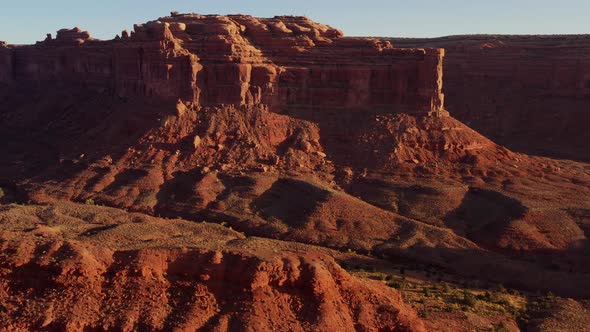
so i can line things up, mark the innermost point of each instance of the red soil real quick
(76, 267)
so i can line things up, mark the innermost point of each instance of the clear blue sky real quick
(24, 21)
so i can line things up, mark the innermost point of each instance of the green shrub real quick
(394, 284)
(446, 288)
(469, 299)
(513, 292)
(399, 285)
(501, 328)
(378, 277)
(488, 297)
(89, 201)
(423, 313)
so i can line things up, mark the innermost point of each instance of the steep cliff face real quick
(530, 93)
(289, 63)
(6, 70)
(158, 67)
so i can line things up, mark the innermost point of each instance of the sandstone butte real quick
(530, 93)
(352, 199)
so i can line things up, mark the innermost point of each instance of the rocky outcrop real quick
(289, 63)
(70, 36)
(530, 93)
(148, 68)
(89, 268)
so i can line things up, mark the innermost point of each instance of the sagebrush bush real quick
(469, 299)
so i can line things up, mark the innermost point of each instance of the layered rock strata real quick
(530, 93)
(289, 63)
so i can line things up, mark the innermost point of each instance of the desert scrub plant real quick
(501, 327)
(378, 277)
(399, 284)
(468, 299)
(89, 201)
(522, 319)
(394, 284)
(489, 297)
(446, 288)
(423, 313)
(514, 292)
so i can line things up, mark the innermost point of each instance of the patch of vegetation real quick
(500, 288)
(379, 277)
(236, 204)
(423, 313)
(90, 201)
(501, 327)
(446, 288)
(550, 297)
(398, 284)
(394, 284)
(522, 319)
(452, 308)
(489, 297)
(469, 299)
(513, 292)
